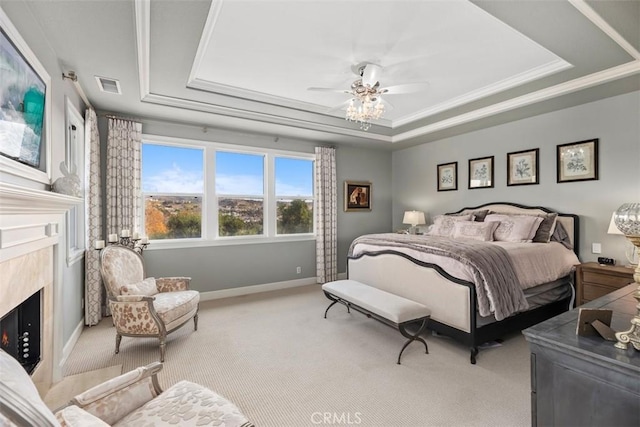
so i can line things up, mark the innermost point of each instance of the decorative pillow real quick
(147, 287)
(443, 224)
(474, 230)
(479, 216)
(546, 228)
(514, 228)
(560, 235)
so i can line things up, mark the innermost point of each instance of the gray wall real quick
(232, 266)
(613, 120)
(73, 281)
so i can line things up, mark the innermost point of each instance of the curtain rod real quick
(113, 116)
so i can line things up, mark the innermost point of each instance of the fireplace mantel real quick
(31, 227)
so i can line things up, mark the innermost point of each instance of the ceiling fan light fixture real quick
(363, 108)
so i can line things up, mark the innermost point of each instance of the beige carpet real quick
(71, 385)
(275, 357)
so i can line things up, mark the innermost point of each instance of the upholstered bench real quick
(381, 305)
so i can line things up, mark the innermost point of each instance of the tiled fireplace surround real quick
(32, 242)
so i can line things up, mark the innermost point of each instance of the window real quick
(226, 193)
(75, 161)
(294, 195)
(240, 192)
(172, 188)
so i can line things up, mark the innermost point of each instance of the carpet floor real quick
(276, 357)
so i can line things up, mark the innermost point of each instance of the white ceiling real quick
(248, 64)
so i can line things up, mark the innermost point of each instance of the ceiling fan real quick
(366, 101)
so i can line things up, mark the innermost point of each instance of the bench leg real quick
(335, 300)
(415, 337)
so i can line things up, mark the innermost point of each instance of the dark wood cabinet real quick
(584, 380)
(594, 280)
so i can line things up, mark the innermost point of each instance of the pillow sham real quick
(514, 228)
(147, 288)
(443, 224)
(560, 235)
(475, 230)
(546, 228)
(477, 216)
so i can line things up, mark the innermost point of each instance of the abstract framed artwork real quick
(481, 172)
(25, 108)
(577, 161)
(522, 167)
(448, 176)
(357, 196)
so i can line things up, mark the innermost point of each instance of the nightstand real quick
(594, 280)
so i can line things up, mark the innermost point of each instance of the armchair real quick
(145, 307)
(131, 399)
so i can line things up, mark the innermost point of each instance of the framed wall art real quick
(357, 196)
(522, 167)
(448, 176)
(481, 172)
(25, 108)
(578, 161)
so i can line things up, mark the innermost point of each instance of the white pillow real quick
(443, 224)
(515, 228)
(147, 288)
(475, 230)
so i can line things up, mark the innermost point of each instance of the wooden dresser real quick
(585, 381)
(594, 280)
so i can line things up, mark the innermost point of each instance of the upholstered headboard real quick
(570, 222)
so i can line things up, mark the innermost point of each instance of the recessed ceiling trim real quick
(585, 82)
(207, 36)
(143, 35)
(505, 84)
(234, 113)
(597, 20)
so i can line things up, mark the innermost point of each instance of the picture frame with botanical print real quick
(578, 161)
(357, 196)
(448, 176)
(481, 172)
(522, 167)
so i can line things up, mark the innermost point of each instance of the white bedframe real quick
(452, 301)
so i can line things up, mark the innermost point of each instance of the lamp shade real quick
(613, 229)
(414, 218)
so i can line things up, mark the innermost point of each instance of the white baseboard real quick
(68, 347)
(266, 287)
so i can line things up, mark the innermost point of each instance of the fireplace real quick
(20, 332)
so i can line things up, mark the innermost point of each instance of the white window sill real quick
(226, 241)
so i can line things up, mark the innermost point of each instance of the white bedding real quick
(534, 263)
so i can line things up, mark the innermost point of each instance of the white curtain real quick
(124, 140)
(326, 215)
(93, 292)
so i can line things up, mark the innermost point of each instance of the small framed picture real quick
(357, 196)
(448, 176)
(578, 161)
(481, 172)
(522, 167)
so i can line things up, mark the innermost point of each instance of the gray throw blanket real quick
(498, 289)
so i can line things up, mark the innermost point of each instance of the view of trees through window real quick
(173, 193)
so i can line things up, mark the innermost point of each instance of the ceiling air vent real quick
(108, 85)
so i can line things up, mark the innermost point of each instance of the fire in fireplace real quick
(20, 331)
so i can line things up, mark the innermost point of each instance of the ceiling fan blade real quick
(404, 88)
(371, 74)
(328, 89)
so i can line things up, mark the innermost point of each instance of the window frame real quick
(210, 196)
(75, 152)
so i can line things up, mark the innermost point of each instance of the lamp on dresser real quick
(630, 251)
(413, 218)
(627, 220)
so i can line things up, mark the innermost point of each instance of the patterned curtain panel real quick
(124, 141)
(326, 215)
(93, 292)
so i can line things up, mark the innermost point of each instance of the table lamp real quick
(630, 251)
(413, 218)
(627, 220)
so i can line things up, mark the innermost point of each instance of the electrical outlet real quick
(298, 270)
(596, 248)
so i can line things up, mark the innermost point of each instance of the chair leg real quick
(118, 340)
(163, 346)
(195, 322)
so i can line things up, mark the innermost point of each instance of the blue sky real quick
(180, 170)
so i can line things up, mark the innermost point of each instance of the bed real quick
(471, 300)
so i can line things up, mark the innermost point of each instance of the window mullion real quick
(211, 196)
(270, 196)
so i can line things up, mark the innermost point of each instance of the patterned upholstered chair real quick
(145, 307)
(131, 399)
